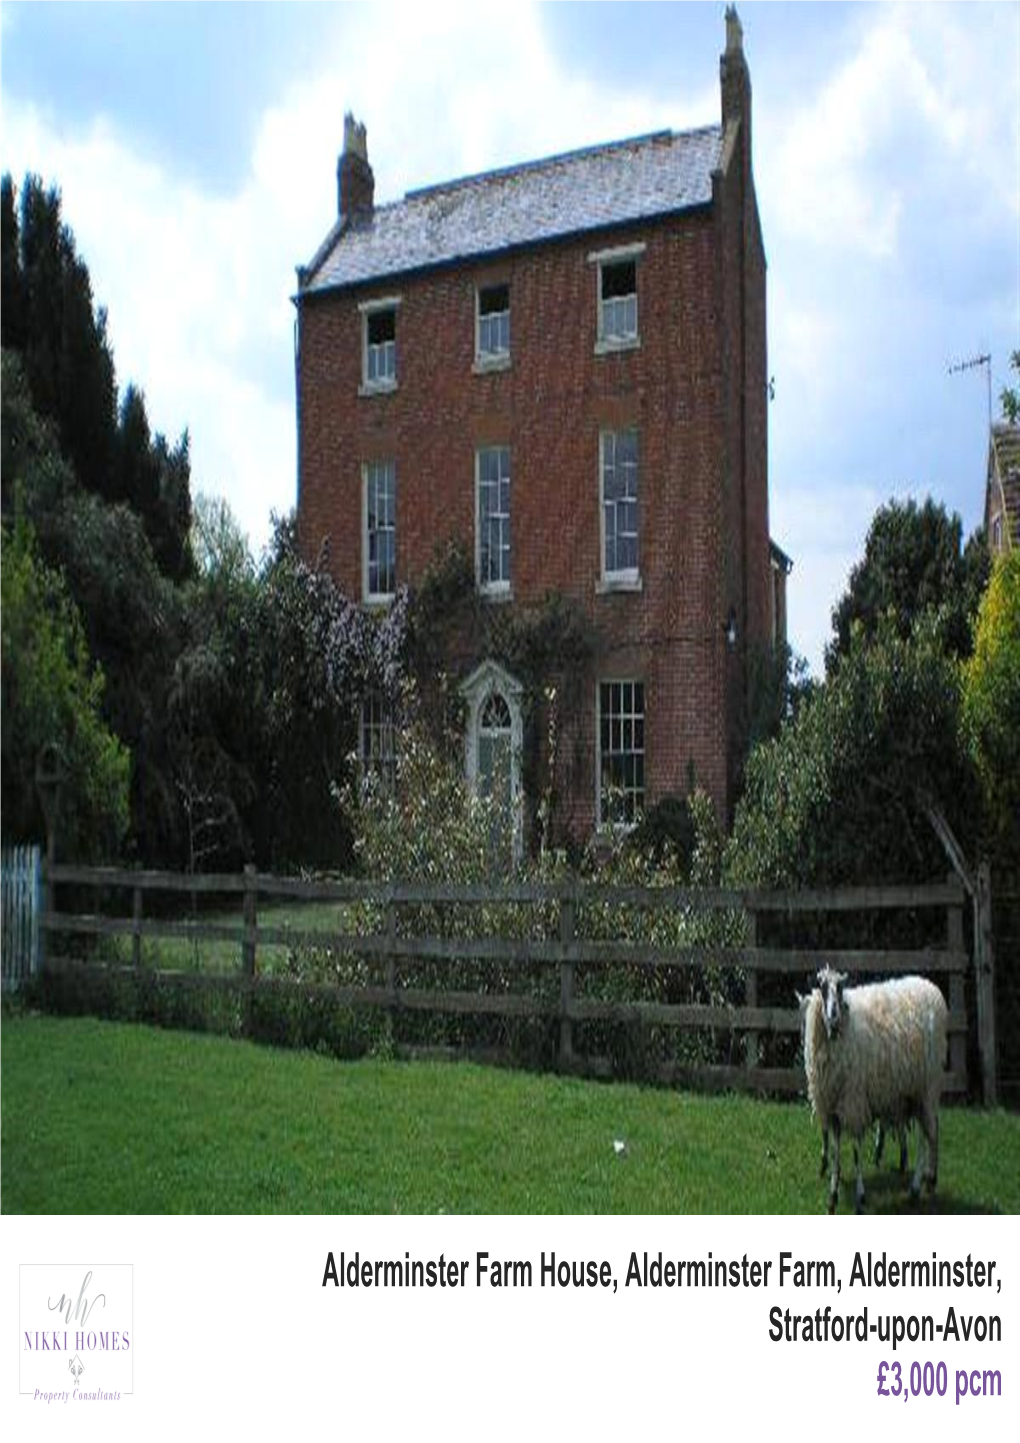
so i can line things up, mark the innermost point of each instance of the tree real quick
(318, 655)
(1009, 396)
(134, 620)
(52, 693)
(12, 314)
(912, 565)
(67, 356)
(30, 459)
(155, 481)
(841, 795)
(50, 320)
(992, 705)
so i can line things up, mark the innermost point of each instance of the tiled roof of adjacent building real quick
(604, 186)
(1006, 446)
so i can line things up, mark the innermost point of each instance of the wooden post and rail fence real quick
(557, 940)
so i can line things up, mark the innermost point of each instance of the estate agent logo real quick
(76, 1332)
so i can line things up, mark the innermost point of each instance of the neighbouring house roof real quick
(1004, 470)
(584, 190)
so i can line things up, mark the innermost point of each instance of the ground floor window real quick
(620, 734)
(378, 742)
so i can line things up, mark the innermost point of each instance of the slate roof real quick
(603, 186)
(1006, 446)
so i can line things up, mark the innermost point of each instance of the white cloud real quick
(197, 285)
(912, 129)
(887, 188)
(822, 525)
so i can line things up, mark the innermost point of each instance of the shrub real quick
(991, 705)
(53, 694)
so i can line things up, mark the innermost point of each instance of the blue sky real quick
(195, 146)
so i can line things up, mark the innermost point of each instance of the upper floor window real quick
(617, 297)
(380, 530)
(379, 344)
(492, 465)
(620, 736)
(618, 484)
(492, 341)
(997, 532)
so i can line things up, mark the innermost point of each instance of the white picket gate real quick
(20, 906)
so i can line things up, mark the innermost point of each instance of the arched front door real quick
(493, 745)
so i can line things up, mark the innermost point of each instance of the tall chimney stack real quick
(354, 178)
(735, 83)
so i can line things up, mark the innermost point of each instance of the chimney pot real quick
(355, 181)
(355, 137)
(734, 30)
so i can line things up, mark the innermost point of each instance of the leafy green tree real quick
(216, 715)
(135, 624)
(992, 705)
(50, 319)
(30, 460)
(67, 356)
(840, 796)
(155, 482)
(318, 655)
(12, 313)
(53, 694)
(913, 564)
(1009, 397)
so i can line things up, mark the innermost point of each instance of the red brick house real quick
(562, 364)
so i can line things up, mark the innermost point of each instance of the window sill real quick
(376, 388)
(610, 834)
(498, 594)
(610, 584)
(484, 364)
(610, 348)
(379, 603)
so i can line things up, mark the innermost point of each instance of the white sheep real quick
(874, 1053)
(891, 1124)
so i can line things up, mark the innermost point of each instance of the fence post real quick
(250, 921)
(136, 930)
(957, 996)
(568, 930)
(248, 946)
(37, 901)
(391, 961)
(984, 983)
(751, 997)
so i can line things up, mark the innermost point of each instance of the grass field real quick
(212, 955)
(115, 1118)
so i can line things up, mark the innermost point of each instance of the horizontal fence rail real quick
(592, 989)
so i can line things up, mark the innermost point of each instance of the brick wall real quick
(682, 388)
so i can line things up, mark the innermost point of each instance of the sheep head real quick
(831, 985)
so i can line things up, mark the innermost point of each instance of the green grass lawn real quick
(207, 954)
(111, 1117)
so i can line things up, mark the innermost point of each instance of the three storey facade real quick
(562, 366)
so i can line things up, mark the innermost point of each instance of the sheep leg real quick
(931, 1132)
(859, 1178)
(904, 1159)
(927, 1157)
(825, 1152)
(834, 1179)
